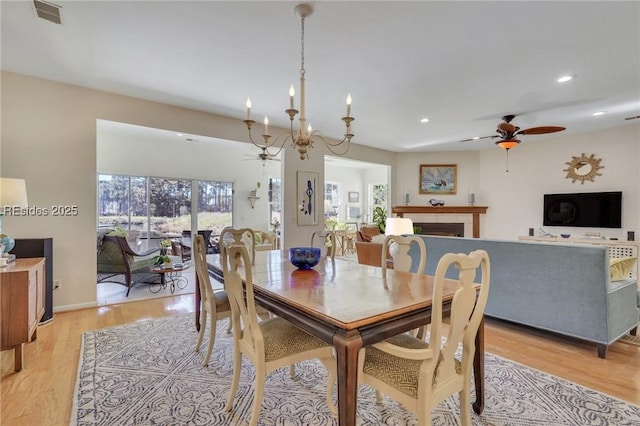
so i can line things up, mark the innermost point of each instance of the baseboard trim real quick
(75, 307)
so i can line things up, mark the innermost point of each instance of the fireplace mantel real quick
(474, 211)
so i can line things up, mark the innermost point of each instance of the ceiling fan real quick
(263, 156)
(508, 134)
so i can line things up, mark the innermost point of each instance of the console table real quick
(22, 295)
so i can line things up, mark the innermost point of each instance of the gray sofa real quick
(563, 288)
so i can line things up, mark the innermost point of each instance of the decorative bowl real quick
(304, 257)
(565, 235)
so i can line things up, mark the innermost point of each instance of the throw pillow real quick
(620, 267)
(258, 238)
(364, 237)
(118, 232)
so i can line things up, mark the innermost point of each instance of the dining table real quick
(350, 306)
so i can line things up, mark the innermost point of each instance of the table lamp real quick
(399, 252)
(13, 193)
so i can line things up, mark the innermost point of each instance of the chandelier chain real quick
(303, 138)
(302, 46)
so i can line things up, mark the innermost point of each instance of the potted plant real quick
(379, 218)
(164, 246)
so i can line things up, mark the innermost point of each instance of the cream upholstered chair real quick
(420, 374)
(323, 236)
(269, 344)
(214, 304)
(246, 236)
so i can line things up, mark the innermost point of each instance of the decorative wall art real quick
(583, 168)
(307, 198)
(354, 197)
(353, 212)
(438, 178)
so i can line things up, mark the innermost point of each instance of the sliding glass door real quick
(154, 208)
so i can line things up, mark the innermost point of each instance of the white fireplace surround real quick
(468, 215)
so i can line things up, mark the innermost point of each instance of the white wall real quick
(146, 155)
(514, 199)
(358, 178)
(48, 137)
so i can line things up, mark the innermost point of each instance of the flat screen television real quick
(586, 209)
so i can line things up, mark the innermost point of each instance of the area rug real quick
(631, 339)
(147, 373)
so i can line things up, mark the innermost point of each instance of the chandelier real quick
(303, 138)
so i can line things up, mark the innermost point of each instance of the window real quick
(378, 198)
(157, 208)
(332, 202)
(215, 205)
(275, 207)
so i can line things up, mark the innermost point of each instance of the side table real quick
(168, 274)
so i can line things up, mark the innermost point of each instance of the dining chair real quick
(214, 304)
(269, 344)
(420, 374)
(324, 236)
(246, 236)
(398, 247)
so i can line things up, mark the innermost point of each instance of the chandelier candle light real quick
(304, 137)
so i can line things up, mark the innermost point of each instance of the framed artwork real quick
(352, 226)
(354, 197)
(353, 212)
(307, 198)
(438, 178)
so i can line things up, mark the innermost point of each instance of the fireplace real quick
(468, 216)
(443, 229)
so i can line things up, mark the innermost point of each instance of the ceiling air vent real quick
(48, 11)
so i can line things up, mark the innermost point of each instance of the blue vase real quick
(9, 243)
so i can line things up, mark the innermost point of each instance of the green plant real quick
(119, 232)
(160, 259)
(379, 218)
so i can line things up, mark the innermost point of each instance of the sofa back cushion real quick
(551, 286)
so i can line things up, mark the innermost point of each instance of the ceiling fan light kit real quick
(507, 133)
(303, 138)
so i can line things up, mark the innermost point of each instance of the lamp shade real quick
(398, 226)
(13, 193)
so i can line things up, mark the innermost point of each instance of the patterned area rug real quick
(147, 373)
(633, 340)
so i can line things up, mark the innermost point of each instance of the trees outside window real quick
(157, 208)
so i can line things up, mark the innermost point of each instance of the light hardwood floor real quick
(41, 393)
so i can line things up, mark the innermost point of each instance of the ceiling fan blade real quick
(632, 117)
(540, 130)
(477, 139)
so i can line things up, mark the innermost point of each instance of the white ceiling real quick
(462, 64)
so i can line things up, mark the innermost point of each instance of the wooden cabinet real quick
(22, 303)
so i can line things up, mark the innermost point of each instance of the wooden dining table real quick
(350, 306)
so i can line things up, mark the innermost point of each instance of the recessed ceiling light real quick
(595, 114)
(564, 78)
(475, 138)
(179, 134)
(424, 120)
